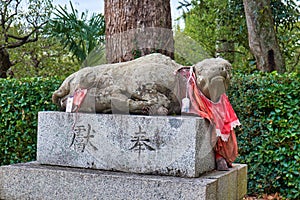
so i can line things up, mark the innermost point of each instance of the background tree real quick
(80, 34)
(207, 22)
(137, 28)
(286, 15)
(29, 17)
(43, 58)
(262, 38)
(219, 28)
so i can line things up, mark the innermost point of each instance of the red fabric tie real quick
(220, 114)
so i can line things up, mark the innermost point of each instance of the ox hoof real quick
(222, 164)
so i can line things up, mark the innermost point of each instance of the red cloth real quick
(220, 114)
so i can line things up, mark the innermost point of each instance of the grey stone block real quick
(231, 184)
(164, 145)
(241, 180)
(35, 182)
(226, 183)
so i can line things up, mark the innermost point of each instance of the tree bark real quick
(262, 38)
(5, 63)
(137, 28)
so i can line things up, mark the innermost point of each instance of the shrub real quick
(268, 107)
(20, 102)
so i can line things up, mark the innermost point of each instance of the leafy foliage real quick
(44, 58)
(286, 15)
(219, 27)
(80, 35)
(187, 50)
(20, 102)
(289, 42)
(27, 49)
(30, 17)
(217, 22)
(268, 107)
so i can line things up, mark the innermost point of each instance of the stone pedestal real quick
(78, 156)
(164, 145)
(34, 181)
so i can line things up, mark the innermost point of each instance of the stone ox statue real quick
(147, 85)
(156, 85)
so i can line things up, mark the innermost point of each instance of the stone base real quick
(35, 181)
(159, 145)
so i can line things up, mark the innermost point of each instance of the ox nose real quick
(217, 87)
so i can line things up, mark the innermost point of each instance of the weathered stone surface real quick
(213, 77)
(141, 85)
(241, 180)
(227, 181)
(34, 181)
(127, 87)
(231, 184)
(167, 145)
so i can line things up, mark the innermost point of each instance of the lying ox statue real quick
(146, 85)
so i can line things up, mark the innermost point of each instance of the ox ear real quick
(203, 84)
(228, 68)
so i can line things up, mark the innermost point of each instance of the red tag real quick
(79, 96)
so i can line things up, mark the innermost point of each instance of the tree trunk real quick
(5, 63)
(262, 37)
(137, 28)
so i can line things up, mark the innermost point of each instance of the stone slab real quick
(241, 180)
(163, 145)
(231, 184)
(34, 181)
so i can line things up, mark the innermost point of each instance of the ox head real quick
(213, 77)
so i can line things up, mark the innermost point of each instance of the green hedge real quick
(20, 101)
(268, 107)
